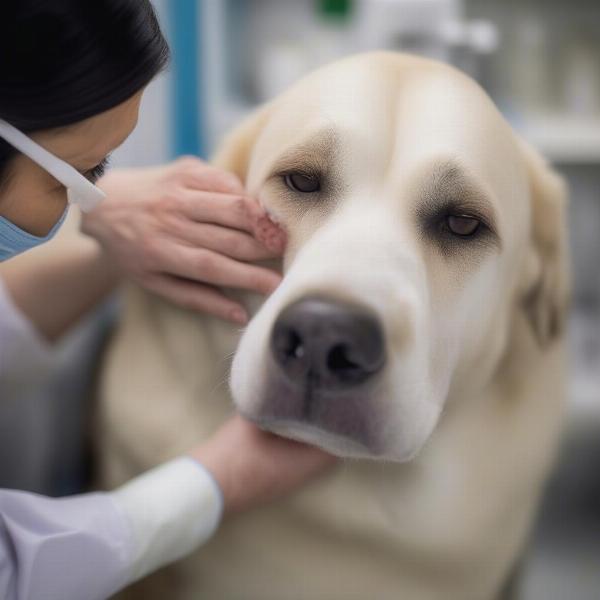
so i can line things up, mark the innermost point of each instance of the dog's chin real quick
(338, 445)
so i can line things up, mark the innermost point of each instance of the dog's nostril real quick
(288, 349)
(293, 347)
(339, 360)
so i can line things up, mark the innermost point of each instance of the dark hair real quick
(63, 61)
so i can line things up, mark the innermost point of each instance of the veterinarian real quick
(72, 75)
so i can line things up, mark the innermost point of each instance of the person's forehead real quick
(95, 137)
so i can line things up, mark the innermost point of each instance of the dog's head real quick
(417, 224)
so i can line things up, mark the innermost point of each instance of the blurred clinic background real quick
(540, 62)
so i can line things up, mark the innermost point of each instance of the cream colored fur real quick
(444, 511)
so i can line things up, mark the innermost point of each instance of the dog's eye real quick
(463, 225)
(300, 182)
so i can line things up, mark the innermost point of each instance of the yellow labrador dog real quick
(418, 332)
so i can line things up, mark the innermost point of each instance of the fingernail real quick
(239, 316)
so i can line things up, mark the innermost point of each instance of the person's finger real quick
(224, 240)
(203, 265)
(203, 176)
(238, 212)
(228, 210)
(196, 296)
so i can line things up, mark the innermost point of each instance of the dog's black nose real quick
(327, 344)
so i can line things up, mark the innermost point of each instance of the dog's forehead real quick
(393, 113)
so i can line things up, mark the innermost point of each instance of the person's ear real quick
(234, 152)
(545, 282)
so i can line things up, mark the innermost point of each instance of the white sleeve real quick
(58, 548)
(89, 546)
(171, 510)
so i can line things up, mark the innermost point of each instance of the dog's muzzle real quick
(325, 360)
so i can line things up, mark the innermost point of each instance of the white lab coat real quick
(87, 547)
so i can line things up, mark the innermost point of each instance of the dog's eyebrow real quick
(450, 189)
(450, 185)
(314, 154)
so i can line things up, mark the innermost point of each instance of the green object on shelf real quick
(334, 10)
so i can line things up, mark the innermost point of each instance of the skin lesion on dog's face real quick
(392, 278)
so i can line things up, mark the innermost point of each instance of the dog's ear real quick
(545, 281)
(235, 151)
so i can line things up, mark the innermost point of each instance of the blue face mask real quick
(14, 240)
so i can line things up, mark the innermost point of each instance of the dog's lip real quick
(308, 433)
(341, 424)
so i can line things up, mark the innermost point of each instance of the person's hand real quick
(186, 231)
(254, 467)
